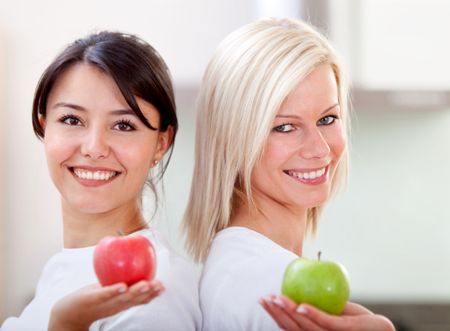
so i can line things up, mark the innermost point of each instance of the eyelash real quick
(64, 118)
(127, 122)
(281, 128)
(131, 126)
(334, 118)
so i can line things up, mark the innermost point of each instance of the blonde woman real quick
(270, 150)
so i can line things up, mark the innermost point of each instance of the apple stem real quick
(318, 255)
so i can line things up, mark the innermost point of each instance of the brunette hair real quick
(134, 65)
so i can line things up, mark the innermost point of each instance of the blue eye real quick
(284, 128)
(71, 120)
(327, 120)
(124, 125)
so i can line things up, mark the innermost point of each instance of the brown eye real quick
(70, 120)
(124, 125)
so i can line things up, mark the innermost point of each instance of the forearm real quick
(55, 326)
(58, 323)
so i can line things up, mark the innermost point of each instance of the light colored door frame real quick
(3, 213)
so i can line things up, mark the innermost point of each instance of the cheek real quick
(135, 156)
(340, 146)
(57, 150)
(277, 152)
(337, 142)
(270, 166)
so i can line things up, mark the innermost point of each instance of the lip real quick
(309, 181)
(93, 182)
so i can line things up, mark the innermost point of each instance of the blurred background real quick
(390, 227)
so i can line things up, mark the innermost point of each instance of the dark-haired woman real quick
(105, 111)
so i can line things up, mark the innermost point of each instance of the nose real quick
(314, 145)
(95, 144)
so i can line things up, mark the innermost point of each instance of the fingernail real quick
(267, 300)
(122, 289)
(157, 289)
(144, 289)
(302, 310)
(278, 302)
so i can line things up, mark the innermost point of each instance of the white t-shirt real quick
(242, 267)
(176, 309)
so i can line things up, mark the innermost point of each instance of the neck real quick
(283, 225)
(85, 229)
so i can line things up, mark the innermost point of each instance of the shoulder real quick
(70, 268)
(243, 261)
(242, 267)
(241, 251)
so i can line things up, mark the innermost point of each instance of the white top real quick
(176, 309)
(242, 267)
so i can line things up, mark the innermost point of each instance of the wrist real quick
(57, 323)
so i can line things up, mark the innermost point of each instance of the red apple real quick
(124, 259)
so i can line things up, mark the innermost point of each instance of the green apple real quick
(323, 284)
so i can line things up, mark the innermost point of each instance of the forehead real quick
(315, 92)
(84, 78)
(89, 87)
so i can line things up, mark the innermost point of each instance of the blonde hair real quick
(250, 74)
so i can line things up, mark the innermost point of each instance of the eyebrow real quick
(322, 113)
(81, 108)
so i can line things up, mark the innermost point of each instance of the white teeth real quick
(308, 175)
(97, 175)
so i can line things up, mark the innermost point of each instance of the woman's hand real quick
(78, 310)
(303, 317)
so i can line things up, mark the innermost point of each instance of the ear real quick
(42, 121)
(165, 139)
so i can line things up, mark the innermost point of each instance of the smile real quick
(307, 175)
(97, 175)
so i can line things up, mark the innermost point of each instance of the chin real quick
(89, 206)
(93, 210)
(314, 200)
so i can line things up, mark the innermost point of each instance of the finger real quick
(355, 309)
(288, 303)
(145, 293)
(142, 298)
(120, 303)
(139, 293)
(279, 316)
(95, 294)
(149, 288)
(291, 309)
(322, 319)
(146, 286)
(107, 292)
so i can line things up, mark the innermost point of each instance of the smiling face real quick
(304, 147)
(98, 151)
